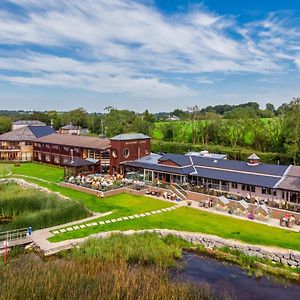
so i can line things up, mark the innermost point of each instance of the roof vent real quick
(253, 160)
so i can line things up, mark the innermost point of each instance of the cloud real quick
(125, 46)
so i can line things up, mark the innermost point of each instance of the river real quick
(234, 281)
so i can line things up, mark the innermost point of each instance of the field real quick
(24, 207)
(185, 218)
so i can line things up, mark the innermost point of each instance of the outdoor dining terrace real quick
(104, 183)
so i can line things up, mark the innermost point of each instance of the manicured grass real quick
(41, 171)
(125, 205)
(189, 219)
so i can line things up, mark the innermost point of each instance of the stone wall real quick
(285, 256)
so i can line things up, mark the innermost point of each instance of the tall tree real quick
(292, 129)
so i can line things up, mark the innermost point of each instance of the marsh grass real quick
(145, 249)
(121, 267)
(30, 207)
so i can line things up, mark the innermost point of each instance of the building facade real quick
(17, 145)
(61, 149)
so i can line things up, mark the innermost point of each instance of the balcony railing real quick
(7, 148)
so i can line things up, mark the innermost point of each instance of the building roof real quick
(29, 123)
(291, 180)
(236, 165)
(79, 162)
(130, 136)
(265, 175)
(70, 127)
(88, 142)
(27, 133)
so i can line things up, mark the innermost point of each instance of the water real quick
(230, 279)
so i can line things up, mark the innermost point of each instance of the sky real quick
(147, 54)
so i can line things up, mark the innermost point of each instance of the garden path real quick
(40, 237)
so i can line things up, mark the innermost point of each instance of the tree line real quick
(244, 125)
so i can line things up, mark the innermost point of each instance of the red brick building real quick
(127, 147)
(106, 154)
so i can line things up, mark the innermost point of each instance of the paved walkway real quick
(40, 237)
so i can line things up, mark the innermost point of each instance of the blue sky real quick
(147, 54)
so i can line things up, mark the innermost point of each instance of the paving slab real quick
(63, 230)
(142, 215)
(114, 220)
(153, 212)
(82, 226)
(107, 221)
(69, 229)
(120, 219)
(101, 222)
(94, 224)
(55, 232)
(131, 217)
(89, 224)
(168, 208)
(158, 211)
(125, 218)
(76, 227)
(137, 216)
(147, 214)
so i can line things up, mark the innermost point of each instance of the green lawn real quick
(49, 173)
(189, 219)
(125, 205)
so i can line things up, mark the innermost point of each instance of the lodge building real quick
(132, 152)
(251, 179)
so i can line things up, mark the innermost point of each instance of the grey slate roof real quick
(27, 133)
(184, 160)
(265, 175)
(291, 180)
(79, 162)
(130, 136)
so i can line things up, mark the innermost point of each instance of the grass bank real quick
(193, 220)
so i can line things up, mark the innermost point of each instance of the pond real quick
(229, 279)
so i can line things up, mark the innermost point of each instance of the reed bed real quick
(63, 279)
(21, 207)
(147, 249)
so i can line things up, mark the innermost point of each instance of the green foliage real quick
(139, 248)
(238, 153)
(30, 207)
(5, 124)
(292, 129)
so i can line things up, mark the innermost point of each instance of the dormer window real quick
(253, 160)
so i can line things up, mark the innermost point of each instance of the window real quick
(234, 185)
(243, 187)
(126, 153)
(147, 151)
(114, 153)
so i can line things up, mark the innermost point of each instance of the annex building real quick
(249, 179)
